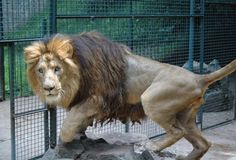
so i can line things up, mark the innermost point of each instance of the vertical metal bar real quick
(202, 34)
(46, 130)
(131, 25)
(53, 19)
(53, 112)
(44, 27)
(2, 73)
(12, 100)
(46, 126)
(202, 45)
(53, 127)
(1, 20)
(191, 35)
(20, 75)
(234, 104)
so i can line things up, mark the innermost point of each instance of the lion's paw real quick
(181, 157)
(152, 146)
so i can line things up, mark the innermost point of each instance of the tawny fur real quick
(97, 79)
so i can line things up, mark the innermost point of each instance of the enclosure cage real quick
(197, 34)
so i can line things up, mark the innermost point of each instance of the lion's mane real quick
(98, 66)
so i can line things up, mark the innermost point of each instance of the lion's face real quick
(52, 73)
(49, 71)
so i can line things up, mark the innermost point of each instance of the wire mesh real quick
(122, 7)
(220, 24)
(19, 18)
(156, 29)
(30, 134)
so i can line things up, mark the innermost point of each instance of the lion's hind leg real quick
(193, 134)
(162, 114)
(163, 101)
(173, 133)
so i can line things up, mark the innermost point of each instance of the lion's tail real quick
(208, 79)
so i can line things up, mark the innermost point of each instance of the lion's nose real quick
(49, 88)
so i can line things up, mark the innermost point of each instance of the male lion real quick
(97, 79)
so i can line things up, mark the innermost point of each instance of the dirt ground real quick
(223, 139)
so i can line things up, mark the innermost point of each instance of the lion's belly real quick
(133, 99)
(129, 112)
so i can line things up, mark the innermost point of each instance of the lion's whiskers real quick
(61, 92)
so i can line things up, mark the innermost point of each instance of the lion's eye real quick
(57, 69)
(40, 70)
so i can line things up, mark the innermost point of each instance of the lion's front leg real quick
(73, 125)
(77, 121)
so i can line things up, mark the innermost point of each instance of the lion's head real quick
(50, 67)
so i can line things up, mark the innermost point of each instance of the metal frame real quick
(12, 100)
(2, 74)
(50, 117)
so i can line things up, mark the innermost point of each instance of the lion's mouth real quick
(52, 98)
(51, 95)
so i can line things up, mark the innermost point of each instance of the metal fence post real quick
(2, 74)
(44, 27)
(46, 130)
(53, 18)
(12, 99)
(131, 25)
(202, 34)
(234, 104)
(53, 127)
(53, 111)
(46, 125)
(202, 45)
(191, 35)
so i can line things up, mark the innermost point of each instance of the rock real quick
(114, 146)
(196, 67)
(119, 138)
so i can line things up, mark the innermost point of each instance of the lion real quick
(96, 79)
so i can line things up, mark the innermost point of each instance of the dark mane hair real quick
(103, 66)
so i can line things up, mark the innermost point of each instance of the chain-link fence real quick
(197, 34)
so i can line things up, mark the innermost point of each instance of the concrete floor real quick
(223, 139)
(5, 136)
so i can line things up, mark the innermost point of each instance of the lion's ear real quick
(66, 51)
(61, 45)
(33, 52)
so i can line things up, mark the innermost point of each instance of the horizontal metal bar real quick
(122, 16)
(35, 158)
(218, 124)
(6, 41)
(221, 3)
(157, 135)
(29, 112)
